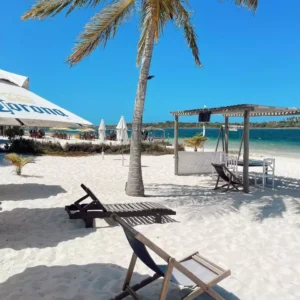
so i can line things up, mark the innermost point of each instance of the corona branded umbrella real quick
(21, 107)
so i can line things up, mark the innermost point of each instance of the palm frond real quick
(251, 4)
(183, 20)
(26, 160)
(13, 158)
(155, 15)
(50, 8)
(102, 27)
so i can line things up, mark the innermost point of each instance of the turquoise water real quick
(285, 142)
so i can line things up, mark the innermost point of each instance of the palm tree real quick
(197, 141)
(18, 161)
(155, 14)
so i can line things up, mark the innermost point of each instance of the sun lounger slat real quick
(125, 207)
(136, 206)
(147, 205)
(119, 207)
(144, 206)
(95, 209)
(114, 208)
(155, 205)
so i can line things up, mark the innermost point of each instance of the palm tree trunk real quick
(135, 185)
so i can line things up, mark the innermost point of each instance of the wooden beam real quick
(226, 133)
(176, 145)
(246, 151)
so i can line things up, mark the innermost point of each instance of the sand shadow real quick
(263, 204)
(287, 183)
(81, 282)
(28, 191)
(23, 228)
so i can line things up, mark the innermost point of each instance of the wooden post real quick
(246, 151)
(241, 145)
(176, 145)
(226, 134)
(218, 140)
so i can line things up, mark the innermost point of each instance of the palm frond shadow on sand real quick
(91, 281)
(262, 204)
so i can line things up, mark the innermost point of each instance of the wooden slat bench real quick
(96, 210)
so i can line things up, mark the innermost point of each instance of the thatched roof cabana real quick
(242, 110)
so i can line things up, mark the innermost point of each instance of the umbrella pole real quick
(122, 153)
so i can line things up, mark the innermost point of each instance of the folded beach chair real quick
(232, 182)
(194, 271)
(96, 210)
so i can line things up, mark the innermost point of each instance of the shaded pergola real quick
(242, 110)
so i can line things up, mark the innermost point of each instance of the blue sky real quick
(247, 58)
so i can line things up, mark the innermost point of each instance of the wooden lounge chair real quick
(194, 271)
(232, 182)
(96, 210)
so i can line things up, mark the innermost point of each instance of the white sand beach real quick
(44, 255)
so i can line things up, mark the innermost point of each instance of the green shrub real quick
(13, 132)
(23, 146)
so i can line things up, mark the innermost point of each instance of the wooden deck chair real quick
(95, 209)
(194, 271)
(232, 182)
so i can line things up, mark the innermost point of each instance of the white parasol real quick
(102, 129)
(122, 135)
(20, 107)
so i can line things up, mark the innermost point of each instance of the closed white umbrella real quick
(19, 106)
(122, 135)
(101, 131)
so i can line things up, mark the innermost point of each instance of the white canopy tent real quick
(20, 107)
(102, 129)
(122, 135)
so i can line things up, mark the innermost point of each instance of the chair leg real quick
(158, 218)
(236, 187)
(166, 281)
(229, 183)
(129, 271)
(132, 293)
(214, 294)
(89, 223)
(216, 187)
(195, 293)
(136, 287)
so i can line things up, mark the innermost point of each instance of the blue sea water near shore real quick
(283, 142)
